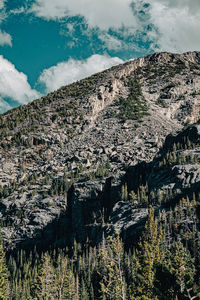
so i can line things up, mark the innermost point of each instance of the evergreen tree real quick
(61, 274)
(4, 275)
(69, 286)
(113, 282)
(181, 264)
(44, 284)
(149, 256)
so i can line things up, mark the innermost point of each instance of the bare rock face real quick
(58, 152)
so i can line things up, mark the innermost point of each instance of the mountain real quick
(90, 157)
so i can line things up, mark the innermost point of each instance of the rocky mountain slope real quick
(74, 163)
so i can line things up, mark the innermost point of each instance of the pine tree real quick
(61, 274)
(181, 264)
(149, 256)
(4, 274)
(69, 286)
(44, 283)
(84, 293)
(113, 282)
(133, 274)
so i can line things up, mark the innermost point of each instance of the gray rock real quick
(78, 127)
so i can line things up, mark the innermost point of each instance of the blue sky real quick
(45, 44)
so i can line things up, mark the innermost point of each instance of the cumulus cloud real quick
(98, 13)
(67, 72)
(14, 85)
(177, 24)
(5, 39)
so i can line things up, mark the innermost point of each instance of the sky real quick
(45, 44)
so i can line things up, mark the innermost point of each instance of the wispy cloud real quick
(2, 3)
(5, 39)
(18, 11)
(3, 14)
(110, 42)
(73, 70)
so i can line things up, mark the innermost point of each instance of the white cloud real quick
(18, 11)
(192, 5)
(67, 72)
(14, 84)
(70, 28)
(98, 13)
(5, 39)
(177, 23)
(3, 14)
(110, 42)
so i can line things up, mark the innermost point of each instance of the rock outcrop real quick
(64, 157)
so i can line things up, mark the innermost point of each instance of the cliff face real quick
(64, 157)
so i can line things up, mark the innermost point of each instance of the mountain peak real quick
(82, 133)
